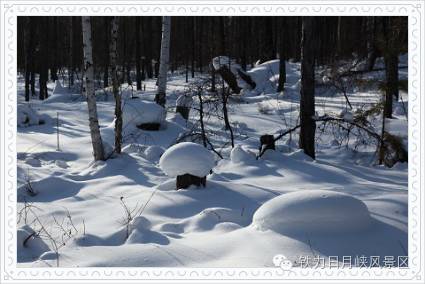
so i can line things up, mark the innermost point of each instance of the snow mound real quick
(61, 164)
(239, 155)
(34, 246)
(319, 211)
(153, 153)
(27, 116)
(263, 75)
(141, 233)
(208, 219)
(300, 155)
(137, 111)
(187, 158)
(133, 148)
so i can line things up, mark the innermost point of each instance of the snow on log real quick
(139, 112)
(261, 78)
(314, 211)
(232, 73)
(188, 162)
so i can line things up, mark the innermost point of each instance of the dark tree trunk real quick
(32, 80)
(44, 61)
(200, 22)
(212, 79)
(212, 50)
(148, 47)
(138, 74)
(193, 32)
(268, 49)
(29, 57)
(307, 108)
(54, 45)
(227, 125)
(244, 76)
(372, 52)
(230, 78)
(201, 119)
(282, 56)
(222, 36)
(107, 39)
(71, 52)
(391, 66)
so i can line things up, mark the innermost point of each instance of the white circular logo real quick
(279, 260)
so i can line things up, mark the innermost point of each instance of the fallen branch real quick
(386, 141)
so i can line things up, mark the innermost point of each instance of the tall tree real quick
(160, 97)
(391, 64)
(282, 56)
(98, 151)
(148, 47)
(138, 74)
(106, 24)
(71, 52)
(307, 108)
(115, 83)
(54, 47)
(29, 54)
(44, 57)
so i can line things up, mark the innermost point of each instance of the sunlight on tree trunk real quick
(164, 60)
(96, 139)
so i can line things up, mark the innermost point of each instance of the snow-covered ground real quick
(341, 204)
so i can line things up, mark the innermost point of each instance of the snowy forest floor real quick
(206, 227)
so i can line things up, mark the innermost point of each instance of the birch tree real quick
(96, 139)
(164, 60)
(307, 108)
(115, 84)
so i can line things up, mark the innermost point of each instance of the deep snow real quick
(212, 226)
(187, 158)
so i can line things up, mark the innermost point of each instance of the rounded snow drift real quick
(153, 153)
(137, 112)
(187, 158)
(310, 211)
(239, 155)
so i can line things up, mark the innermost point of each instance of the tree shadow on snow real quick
(380, 239)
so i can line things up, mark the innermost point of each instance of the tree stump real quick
(184, 111)
(186, 180)
(267, 142)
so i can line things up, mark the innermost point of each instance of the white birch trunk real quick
(115, 84)
(96, 139)
(164, 61)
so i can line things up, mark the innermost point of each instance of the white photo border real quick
(10, 10)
